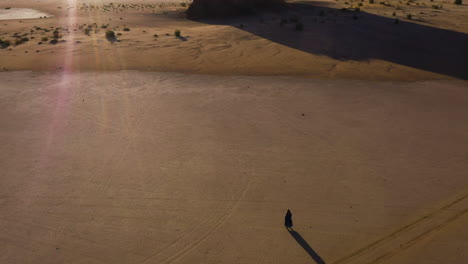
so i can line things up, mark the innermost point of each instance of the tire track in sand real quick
(185, 244)
(408, 235)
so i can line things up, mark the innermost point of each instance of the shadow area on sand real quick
(301, 241)
(360, 36)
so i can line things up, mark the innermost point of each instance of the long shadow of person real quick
(301, 241)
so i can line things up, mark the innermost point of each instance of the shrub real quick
(177, 33)
(18, 41)
(87, 31)
(155, 35)
(394, 14)
(458, 2)
(56, 34)
(45, 39)
(53, 41)
(110, 34)
(4, 43)
(126, 29)
(371, 1)
(409, 16)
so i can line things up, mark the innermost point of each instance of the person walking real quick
(288, 223)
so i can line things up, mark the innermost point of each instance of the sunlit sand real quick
(21, 13)
(131, 134)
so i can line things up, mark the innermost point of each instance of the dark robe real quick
(288, 219)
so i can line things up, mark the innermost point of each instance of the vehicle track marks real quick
(408, 235)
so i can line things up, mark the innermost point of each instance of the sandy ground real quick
(365, 45)
(132, 167)
(190, 149)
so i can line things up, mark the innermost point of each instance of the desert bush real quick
(4, 43)
(110, 34)
(56, 34)
(409, 16)
(371, 1)
(53, 41)
(458, 2)
(126, 29)
(177, 33)
(87, 31)
(18, 41)
(45, 39)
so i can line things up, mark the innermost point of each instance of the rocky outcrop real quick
(224, 8)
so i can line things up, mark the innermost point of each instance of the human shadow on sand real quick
(360, 36)
(301, 241)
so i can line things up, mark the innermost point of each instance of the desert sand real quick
(190, 149)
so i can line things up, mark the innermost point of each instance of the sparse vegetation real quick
(409, 16)
(56, 34)
(177, 33)
(371, 1)
(45, 39)
(110, 35)
(18, 41)
(53, 41)
(458, 2)
(126, 29)
(4, 43)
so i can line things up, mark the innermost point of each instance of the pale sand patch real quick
(131, 167)
(21, 13)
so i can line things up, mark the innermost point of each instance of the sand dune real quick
(147, 147)
(333, 44)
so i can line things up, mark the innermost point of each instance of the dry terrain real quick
(148, 147)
